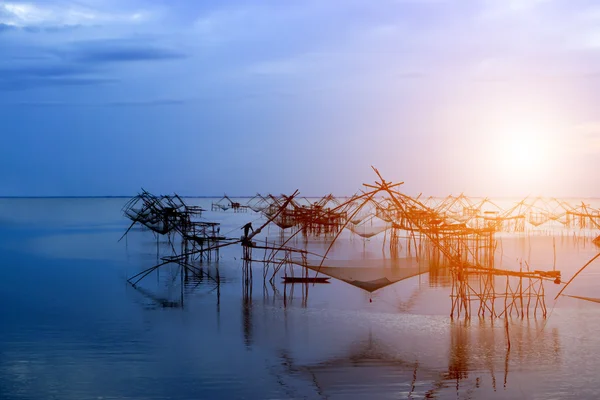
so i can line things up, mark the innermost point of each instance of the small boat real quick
(304, 279)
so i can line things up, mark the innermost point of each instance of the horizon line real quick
(311, 197)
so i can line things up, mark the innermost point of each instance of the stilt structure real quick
(455, 237)
(443, 234)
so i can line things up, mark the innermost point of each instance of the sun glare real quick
(522, 155)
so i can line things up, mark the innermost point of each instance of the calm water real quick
(72, 328)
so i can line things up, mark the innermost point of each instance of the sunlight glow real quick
(525, 152)
(523, 155)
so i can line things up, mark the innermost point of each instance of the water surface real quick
(72, 328)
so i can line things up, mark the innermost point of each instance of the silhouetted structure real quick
(454, 234)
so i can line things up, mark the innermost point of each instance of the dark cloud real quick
(79, 63)
(6, 28)
(36, 82)
(128, 54)
(81, 81)
(116, 51)
(145, 103)
(44, 71)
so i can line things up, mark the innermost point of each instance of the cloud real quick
(125, 54)
(29, 83)
(43, 71)
(116, 50)
(27, 15)
(37, 29)
(228, 98)
(48, 73)
(81, 63)
(6, 27)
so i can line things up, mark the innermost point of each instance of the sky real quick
(485, 97)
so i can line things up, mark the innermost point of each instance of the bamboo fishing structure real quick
(453, 237)
(225, 203)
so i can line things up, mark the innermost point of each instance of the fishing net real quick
(221, 207)
(538, 218)
(284, 223)
(369, 228)
(258, 207)
(370, 275)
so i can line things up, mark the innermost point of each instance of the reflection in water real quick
(288, 295)
(162, 302)
(378, 366)
(247, 303)
(475, 349)
(440, 277)
(78, 331)
(458, 367)
(368, 368)
(407, 306)
(171, 289)
(476, 353)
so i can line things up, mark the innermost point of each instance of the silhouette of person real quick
(247, 228)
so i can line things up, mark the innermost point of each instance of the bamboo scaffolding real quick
(456, 233)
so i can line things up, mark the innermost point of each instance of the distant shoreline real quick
(309, 197)
(110, 197)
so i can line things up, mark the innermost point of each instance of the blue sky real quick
(102, 97)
